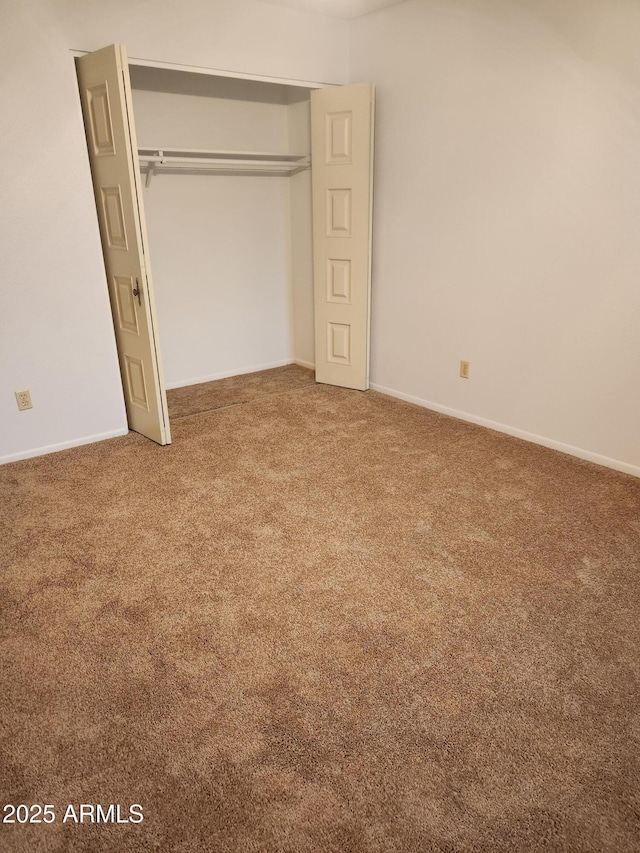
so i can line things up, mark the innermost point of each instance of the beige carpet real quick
(192, 399)
(322, 621)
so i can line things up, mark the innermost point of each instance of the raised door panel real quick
(339, 280)
(338, 141)
(100, 126)
(127, 319)
(339, 343)
(113, 218)
(339, 212)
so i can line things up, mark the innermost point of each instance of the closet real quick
(225, 172)
(216, 184)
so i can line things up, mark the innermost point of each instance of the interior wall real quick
(507, 203)
(302, 318)
(218, 243)
(56, 336)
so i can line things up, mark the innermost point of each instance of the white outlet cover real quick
(23, 399)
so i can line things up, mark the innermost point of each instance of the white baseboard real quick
(64, 445)
(587, 455)
(301, 363)
(238, 371)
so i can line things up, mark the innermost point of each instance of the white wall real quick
(56, 337)
(302, 320)
(507, 210)
(55, 329)
(219, 244)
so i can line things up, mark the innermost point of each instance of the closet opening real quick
(253, 200)
(226, 176)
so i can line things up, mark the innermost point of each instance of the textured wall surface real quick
(507, 205)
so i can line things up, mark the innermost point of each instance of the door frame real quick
(218, 72)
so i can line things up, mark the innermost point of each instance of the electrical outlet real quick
(24, 400)
(464, 369)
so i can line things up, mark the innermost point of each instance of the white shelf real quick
(211, 152)
(216, 161)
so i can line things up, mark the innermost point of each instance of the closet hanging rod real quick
(191, 162)
(217, 153)
(221, 162)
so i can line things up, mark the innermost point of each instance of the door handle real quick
(136, 292)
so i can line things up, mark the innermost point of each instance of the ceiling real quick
(337, 8)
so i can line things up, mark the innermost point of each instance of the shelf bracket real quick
(151, 167)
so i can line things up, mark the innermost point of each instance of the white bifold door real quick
(105, 92)
(342, 169)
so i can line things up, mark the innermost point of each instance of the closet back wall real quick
(219, 244)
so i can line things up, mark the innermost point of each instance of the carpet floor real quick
(321, 621)
(206, 396)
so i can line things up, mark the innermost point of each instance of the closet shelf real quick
(221, 162)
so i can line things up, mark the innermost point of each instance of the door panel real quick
(127, 319)
(339, 281)
(105, 93)
(342, 161)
